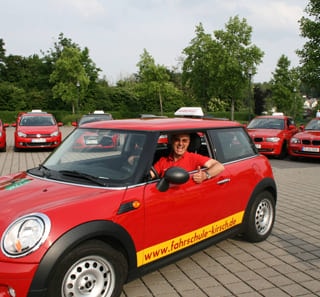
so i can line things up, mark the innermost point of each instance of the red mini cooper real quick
(86, 221)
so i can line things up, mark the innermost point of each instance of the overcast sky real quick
(117, 31)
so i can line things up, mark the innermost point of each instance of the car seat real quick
(195, 143)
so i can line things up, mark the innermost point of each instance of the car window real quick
(266, 123)
(313, 125)
(232, 144)
(111, 155)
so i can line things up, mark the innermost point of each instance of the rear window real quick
(232, 144)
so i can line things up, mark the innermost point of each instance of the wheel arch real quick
(106, 231)
(267, 184)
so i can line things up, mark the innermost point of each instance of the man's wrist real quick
(208, 175)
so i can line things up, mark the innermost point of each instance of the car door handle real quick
(224, 181)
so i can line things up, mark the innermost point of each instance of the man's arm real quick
(214, 167)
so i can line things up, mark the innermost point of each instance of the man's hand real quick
(199, 176)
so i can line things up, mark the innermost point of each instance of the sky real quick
(116, 32)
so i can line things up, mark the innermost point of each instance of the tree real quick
(154, 83)
(196, 65)
(221, 67)
(309, 55)
(284, 86)
(69, 76)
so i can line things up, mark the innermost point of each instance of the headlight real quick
(25, 235)
(56, 133)
(294, 140)
(21, 134)
(272, 139)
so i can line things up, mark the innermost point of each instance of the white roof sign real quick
(189, 112)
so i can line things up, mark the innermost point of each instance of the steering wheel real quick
(155, 172)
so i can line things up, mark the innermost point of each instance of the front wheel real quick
(93, 269)
(260, 217)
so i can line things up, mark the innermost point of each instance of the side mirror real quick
(5, 125)
(106, 141)
(291, 127)
(74, 124)
(174, 175)
(301, 128)
(60, 124)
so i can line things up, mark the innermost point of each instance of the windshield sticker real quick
(14, 184)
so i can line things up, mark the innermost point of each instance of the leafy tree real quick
(155, 86)
(284, 87)
(221, 67)
(196, 65)
(309, 55)
(69, 76)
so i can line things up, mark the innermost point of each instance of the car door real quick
(189, 213)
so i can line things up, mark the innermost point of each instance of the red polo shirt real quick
(189, 162)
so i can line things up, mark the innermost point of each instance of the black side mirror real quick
(174, 175)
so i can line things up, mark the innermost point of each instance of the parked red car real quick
(307, 142)
(86, 221)
(36, 129)
(271, 134)
(3, 137)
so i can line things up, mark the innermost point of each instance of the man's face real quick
(180, 143)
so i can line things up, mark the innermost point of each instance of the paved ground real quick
(287, 264)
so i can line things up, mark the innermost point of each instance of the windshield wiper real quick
(73, 173)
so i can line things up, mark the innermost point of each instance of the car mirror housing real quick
(175, 175)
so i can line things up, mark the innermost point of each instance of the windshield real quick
(313, 125)
(266, 123)
(94, 118)
(109, 157)
(37, 121)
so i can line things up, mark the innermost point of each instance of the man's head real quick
(180, 143)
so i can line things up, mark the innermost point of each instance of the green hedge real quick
(67, 118)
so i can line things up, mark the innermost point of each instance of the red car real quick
(36, 129)
(3, 137)
(307, 142)
(271, 134)
(84, 222)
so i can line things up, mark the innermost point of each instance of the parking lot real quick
(287, 264)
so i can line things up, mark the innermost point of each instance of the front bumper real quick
(17, 277)
(269, 148)
(48, 142)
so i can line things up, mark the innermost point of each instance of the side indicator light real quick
(128, 206)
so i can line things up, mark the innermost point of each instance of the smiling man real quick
(187, 160)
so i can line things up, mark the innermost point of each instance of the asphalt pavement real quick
(286, 264)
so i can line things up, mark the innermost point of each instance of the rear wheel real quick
(260, 217)
(93, 269)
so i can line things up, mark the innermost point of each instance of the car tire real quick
(92, 269)
(260, 217)
(284, 151)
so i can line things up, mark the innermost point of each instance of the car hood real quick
(22, 194)
(38, 129)
(308, 134)
(264, 132)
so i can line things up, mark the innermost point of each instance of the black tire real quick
(4, 149)
(93, 269)
(260, 217)
(284, 151)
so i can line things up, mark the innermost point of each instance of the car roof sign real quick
(189, 112)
